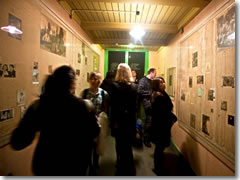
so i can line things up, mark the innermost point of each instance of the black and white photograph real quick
(35, 77)
(35, 65)
(192, 120)
(22, 110)
(190, 81)
(205, 126)
(200, 79)
(211, 94)
(231, 120)
(226, 29)
(88, 75)
(52, 37)
(195, 59)
(83, 49)
(78, 72)
(7, 70)
(50, 69)
(183, 96)
(14, 21)
(6, 114)
(224, 105)
(79, 58)
(86, 59)
(228, 81)
(20, 97)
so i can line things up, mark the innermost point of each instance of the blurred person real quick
(66, 126)
(134, 74)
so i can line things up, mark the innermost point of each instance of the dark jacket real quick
(67, 130)
(161, 119)
(145, 91)
(123, 109)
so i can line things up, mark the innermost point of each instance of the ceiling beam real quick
(128, 26)
(180, 3)
(128, 41)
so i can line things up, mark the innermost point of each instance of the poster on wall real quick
(52, 37)
(7, 70)
(14, 21)
(226, 29)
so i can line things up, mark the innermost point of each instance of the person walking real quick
(145, 91)
(67, 128)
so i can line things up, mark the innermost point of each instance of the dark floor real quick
(174, 164)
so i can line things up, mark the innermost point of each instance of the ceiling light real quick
(11, 29)
(131, 45)
(137, 33)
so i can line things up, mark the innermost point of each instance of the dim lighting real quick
(137, 33)
(11, 29)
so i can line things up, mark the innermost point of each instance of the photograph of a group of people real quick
(7, 70)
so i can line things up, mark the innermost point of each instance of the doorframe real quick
(146, 64)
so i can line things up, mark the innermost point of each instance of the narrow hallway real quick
(143, 157)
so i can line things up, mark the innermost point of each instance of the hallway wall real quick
(203, 161)
(24, 53)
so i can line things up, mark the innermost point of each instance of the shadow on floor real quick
(174, 164)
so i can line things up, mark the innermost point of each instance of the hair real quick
(151, 70)
(156, 83)
(97, 75)
(94, 74)
(60, 81)
(5, 65)
(124, 73)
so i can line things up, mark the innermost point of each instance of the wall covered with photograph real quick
(26, 60)
(206, 75)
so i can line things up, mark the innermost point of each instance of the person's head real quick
(158, 84)
(124, 73)
(152, 73)
(134, 74)
(11, 67)
(5, 67)
(95, 79)
(62, 80)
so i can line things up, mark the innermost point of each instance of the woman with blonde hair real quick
(123, 118)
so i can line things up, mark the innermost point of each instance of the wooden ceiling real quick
(109, 22)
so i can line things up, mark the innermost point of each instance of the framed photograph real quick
(171, 81)
(86, 59)
(14, 21)
(200, 79)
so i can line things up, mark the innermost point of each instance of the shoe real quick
(148, 144)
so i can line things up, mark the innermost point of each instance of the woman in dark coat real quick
(66, 127)
(123, 118)
(162, 120)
